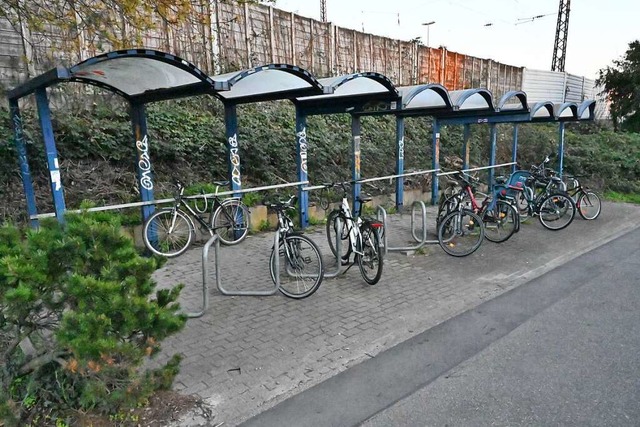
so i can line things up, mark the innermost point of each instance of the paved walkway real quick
(248, 353)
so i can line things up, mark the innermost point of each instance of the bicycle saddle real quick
(221, 183)
(364, 199)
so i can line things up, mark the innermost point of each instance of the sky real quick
(599, 30)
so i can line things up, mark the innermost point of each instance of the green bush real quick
(78, 320)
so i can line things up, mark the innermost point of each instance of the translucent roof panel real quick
(513, 101)
(355, 85)
(568, 110)
(425, 97)
(542, 110)
(275, 81)
(471, 99)
(135, 72)
(586, 110)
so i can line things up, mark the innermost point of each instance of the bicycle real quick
(499, 216)
(587, 201)
(169, 232)
(300, 263)
(554, 208)
(363, 236)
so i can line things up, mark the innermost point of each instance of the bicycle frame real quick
(354, 227)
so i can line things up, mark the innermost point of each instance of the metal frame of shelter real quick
(358, 94)
(142, 76)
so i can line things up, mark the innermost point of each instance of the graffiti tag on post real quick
(234, 158)
(144, 164)
(302, 144)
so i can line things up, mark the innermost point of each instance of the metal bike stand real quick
(382, 216)
(205, 274)
(338, 257)
(223, 291)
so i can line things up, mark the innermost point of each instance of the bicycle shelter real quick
(143, 76)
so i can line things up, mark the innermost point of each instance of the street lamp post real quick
(428, 25)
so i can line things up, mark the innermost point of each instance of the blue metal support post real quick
(143, 157)
(355, 163)
(514, 148)
(302, 151)
(492, 154)
(52, 153)
(233, 147)
(435, 161)
(561, 149)
(399, 161)
(25, 171)
(465, 146)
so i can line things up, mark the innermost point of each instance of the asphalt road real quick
(559, 350)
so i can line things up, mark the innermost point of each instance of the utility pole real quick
(562, 30)
(323, 10)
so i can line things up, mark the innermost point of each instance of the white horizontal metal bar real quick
(163, 201)
(381, 178)
(489, 167)
(476, 169)
(248, 190)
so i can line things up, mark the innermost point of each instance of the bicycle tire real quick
(500, 223)
(556, 211)
(522, 205)
(461, 233)
(332, 232)
(371, 260)
(589, 205)
(302, 273)
(448, 203)
(161, 239)
(231, 222)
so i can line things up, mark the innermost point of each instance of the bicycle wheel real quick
(168, 232)
(500, 222)
(301, 269)
(231, 222)
(332, 231)
(461, 233)
(370, 262)
(522, 205)
(556, 211)
(447, 205)
(589, 205)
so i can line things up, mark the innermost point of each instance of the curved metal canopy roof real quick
(422, 100)
(587, 110)
(358, 93)
(268, 82)
(513, 101)
(135, 73)
(144, 75)
(471, 99)
(542, 110)
(566, 111)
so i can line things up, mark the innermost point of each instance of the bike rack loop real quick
(382, 216)
(214, 239)
(205, 274)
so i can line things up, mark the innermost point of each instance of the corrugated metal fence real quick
(236, 36)
(245, 35)
(563, 87)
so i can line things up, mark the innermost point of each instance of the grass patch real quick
(615, 196)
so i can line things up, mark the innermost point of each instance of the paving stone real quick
(282, 346)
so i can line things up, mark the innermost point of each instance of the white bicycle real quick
(363, 235)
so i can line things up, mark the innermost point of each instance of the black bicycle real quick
(169, 232)
(300, 264)
(587, 201)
